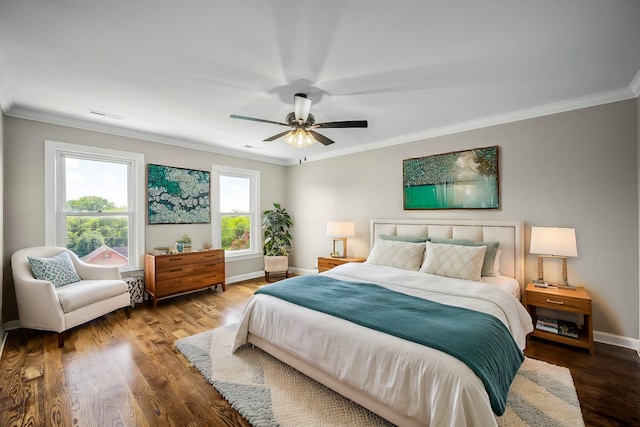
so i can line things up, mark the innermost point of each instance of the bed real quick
(396, 376)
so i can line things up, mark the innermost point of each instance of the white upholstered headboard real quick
(508, 233)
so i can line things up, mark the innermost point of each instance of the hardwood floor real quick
(119, 371)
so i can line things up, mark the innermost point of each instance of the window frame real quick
(255, 249)
(55, 189)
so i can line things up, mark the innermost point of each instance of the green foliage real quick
(186, 239)
(80, 231)
(275, 224)
(235, 232)
(92, 204)
(88, 242)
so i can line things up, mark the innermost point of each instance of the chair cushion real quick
(58, 270)
(85, 292)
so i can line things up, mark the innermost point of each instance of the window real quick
(236, 216)
(94, 204)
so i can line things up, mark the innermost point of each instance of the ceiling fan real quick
(302, 124)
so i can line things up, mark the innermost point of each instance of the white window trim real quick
(256, 235)
(53, 151)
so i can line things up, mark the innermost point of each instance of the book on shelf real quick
(556, 326)
(567, 329)
(547, 324)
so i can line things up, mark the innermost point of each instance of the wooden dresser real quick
(168, 275)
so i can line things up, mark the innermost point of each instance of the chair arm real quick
(38, 305)
(97, 272)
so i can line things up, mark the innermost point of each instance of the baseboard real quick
(617, 340)
(4, 339)
(242, 277)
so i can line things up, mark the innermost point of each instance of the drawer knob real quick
(550, 301)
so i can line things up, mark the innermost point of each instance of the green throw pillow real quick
(58, 270)
(489, 255)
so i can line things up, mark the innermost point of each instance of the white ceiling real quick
(174, 71)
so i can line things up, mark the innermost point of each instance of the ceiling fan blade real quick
(320, 138)
(343, 124)
(253, 119)
(301, 106)
(274, 137)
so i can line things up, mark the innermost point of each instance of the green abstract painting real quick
(177, 196)
(458, 180)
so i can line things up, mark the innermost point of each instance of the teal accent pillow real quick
(489, 255)
(58, 270)
(410, 239)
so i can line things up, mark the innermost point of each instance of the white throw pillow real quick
(390, 253)
(461, 262)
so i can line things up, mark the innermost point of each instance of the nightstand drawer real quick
(559, 302)
(326, 263)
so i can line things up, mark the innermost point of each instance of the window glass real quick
(238, 220)
(92, 207)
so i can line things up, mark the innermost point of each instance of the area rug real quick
(267, 392)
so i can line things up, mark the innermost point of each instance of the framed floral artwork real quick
(177, 195)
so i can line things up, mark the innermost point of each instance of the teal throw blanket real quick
(479, 340)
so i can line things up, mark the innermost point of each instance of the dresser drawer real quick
(559, 302)
(208, 279)
(209, 256)
(174, 285)
(173, 272)
(171, 261)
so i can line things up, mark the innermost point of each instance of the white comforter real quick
(420, 382)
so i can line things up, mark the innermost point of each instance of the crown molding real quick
(529, 113)
(515, 116)
(21, 112)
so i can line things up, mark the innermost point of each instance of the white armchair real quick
(43, 306)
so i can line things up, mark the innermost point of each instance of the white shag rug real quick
(267, 392)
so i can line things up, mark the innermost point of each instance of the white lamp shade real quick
(553, 241)
(340, 229)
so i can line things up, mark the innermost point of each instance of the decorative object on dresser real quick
(561, 300)
(277, 240)
(327, 263)
(553, 242)
(184, 244)
(459, 180)
(340, 230)
(170, 275)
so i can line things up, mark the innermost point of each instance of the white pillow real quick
(461, 262)
(391, 253)
(496, 263)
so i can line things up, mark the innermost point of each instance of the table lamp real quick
(554, 242)
(340, 230)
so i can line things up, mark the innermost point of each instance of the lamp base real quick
(566, 286)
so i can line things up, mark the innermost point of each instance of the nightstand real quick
(566, 300)
(327, 263)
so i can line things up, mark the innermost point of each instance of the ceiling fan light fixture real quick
(300, 138)
(302, 106)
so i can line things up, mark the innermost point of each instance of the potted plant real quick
(277, 240)
(184, 244)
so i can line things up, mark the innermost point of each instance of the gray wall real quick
(24, 189)
(576, 169)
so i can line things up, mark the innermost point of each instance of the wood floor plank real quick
(126, 371)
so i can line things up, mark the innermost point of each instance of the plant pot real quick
(183, 247)
(276, 264)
